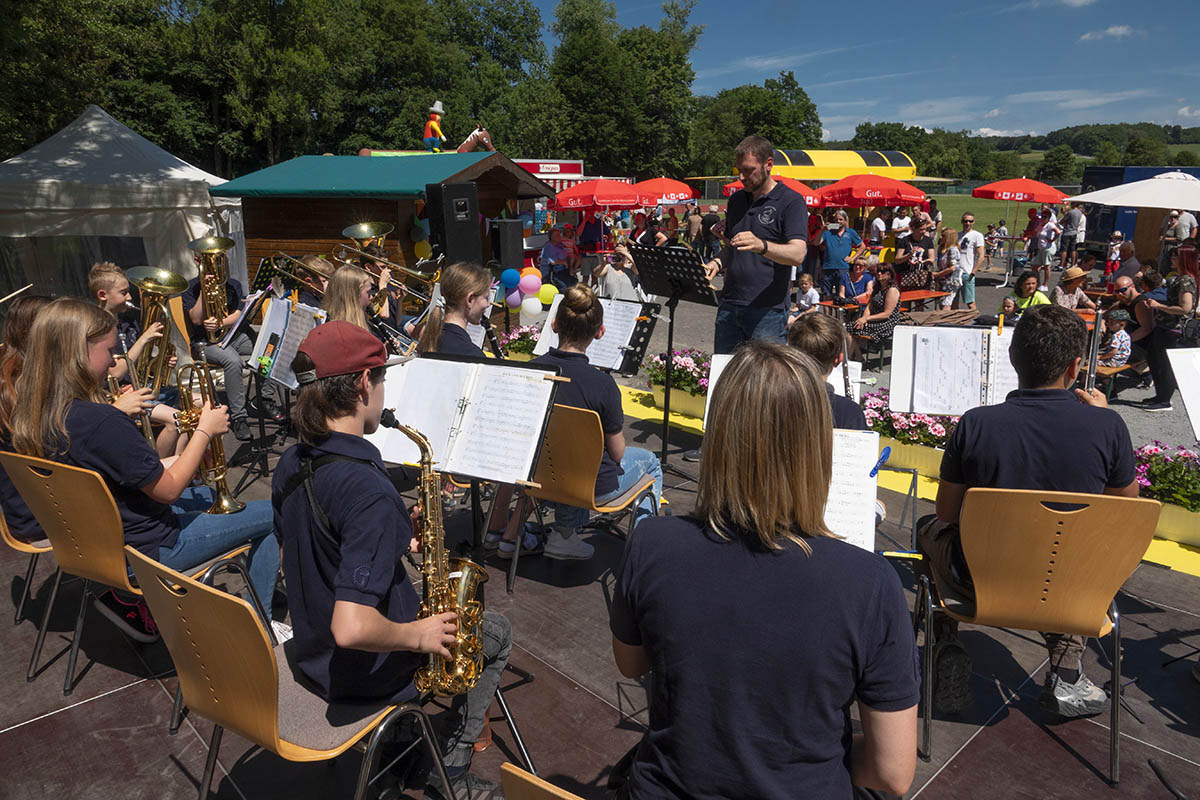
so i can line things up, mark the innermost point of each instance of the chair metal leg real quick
(27, 588)
(512, 726)
(1114, 741)
(176, 712)
(210, 765)
(372, 754)
(41, 637)
(83, 604)
(927, 669)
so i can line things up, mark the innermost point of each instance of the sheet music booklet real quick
(483, 419)
(249, 308)
(283, 329)
(949, 370)
(1185, 363)
(608, 352)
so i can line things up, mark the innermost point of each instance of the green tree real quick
(1006, 164)
(1143, 152)
(1058, 165)
(1107, 155)
(888, 136)
(1185, 158)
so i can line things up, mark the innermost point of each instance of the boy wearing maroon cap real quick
(345, 528)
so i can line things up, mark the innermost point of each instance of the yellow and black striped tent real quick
(833, 165)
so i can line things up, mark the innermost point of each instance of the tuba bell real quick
(187, 419)
(214, 271)
(156, 286)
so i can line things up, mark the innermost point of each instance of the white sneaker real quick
(1080, 699)
(567, 548)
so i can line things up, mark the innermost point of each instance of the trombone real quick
(302, 269)
(427, 279)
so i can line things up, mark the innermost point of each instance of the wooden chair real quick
(520, 785)
(567, 468)
(81, 520)
(231, 675)
(33, 549)
(1041, 569)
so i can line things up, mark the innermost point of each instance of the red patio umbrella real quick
(811, 198)
(596, 193)
(1019, 190)
(664, 190)
(857, 191)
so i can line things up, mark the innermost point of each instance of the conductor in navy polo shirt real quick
(766, 232)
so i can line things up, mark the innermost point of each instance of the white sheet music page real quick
(246, 305)
(620, 321)
(548, 337)
(716, 366)
(850, 509)
(839, 384)
(1002, 378)
(501, 429)
(477, 334)
(1185, 362)
(274, 323)
(426, 394)
(948, 370)
(299, 324)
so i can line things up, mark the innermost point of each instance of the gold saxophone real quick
(448, 586)
(214, 272)
(187, 419)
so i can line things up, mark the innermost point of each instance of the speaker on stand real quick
(453, 213)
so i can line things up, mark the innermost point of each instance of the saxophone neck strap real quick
(304, 478)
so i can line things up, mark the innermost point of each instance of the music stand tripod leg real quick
(666, 424)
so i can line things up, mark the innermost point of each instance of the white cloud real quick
(857, 104)
(1000, 132)
(1188, 111)
(1078, 98)
(1077, 3)
(995, 112)
(1111, 32)
(826, 135)
(881, 79)
(771, 63)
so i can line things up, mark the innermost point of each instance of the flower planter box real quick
(926, 460)
(520, 356)
(1179, 525)
(688, 405)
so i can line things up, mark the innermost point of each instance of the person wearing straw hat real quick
(1069, 291)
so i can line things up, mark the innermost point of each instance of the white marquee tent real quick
(96, 179)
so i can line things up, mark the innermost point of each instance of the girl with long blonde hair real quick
(466, 293)
(61, 414)
(347, 294)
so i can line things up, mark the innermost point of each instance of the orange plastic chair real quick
(231, 675)
(520, 785)
(33, 549)
(1041, 569)
(567, 468)
(85, 532)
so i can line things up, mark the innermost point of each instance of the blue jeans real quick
(203, 537)
(637, 463)
(738, 324)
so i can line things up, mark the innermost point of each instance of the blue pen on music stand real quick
(883, 457)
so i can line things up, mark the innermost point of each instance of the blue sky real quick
(1006, 67)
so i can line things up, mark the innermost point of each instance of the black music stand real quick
(261, 447)
(678, 274)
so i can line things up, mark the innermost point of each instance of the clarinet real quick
(846, 367)
(493, 342)
(401, 345)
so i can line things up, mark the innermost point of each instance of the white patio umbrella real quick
(1165, 190)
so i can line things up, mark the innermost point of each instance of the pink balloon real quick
(530, 284)
(513, 299)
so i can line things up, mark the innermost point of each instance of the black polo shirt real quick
(109, 442)
(1040, 439)
(233, 298)
(847, 414)
(308, 298)
(778, 216)
(455, 341)
(371, 532)
(129, 329)
(594, 390)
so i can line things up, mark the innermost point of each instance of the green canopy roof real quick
(365, 176)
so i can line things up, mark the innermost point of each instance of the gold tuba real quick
(448, 586)
(214, 271)
(156, 286)
(188, 419)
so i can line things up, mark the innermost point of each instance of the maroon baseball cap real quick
(342, 348)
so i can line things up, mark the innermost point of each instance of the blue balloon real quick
(510, 278)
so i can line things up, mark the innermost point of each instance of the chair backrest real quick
(12, 541)
(520, 785)
(1038, 568)
(226, 666)
(570, 457)
(78, 515)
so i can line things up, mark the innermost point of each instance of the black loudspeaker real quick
(453, 213)
(508, 242)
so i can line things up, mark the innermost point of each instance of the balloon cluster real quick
(525, 290)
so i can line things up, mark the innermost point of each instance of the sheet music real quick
(425, 393)
(946, 372)
(501, 430)
(247, 307)
(274, 324)
(850, 508)
(299, 324)
(1185, 363)
(1002, 378)
(477, 334)
(620, 322)
(716, 366)
(839, 385)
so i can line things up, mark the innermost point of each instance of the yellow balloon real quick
(422, 249)
(546, 293)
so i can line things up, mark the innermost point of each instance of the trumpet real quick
(428, 279)
(187, 419)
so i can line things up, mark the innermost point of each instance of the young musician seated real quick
(758, 704)
(108, 284)
(821, 337)
(579, 322)
(467, 294)
(17, 322)
(354, 610)
(60, 414)
(315, 279)
(1045, 437)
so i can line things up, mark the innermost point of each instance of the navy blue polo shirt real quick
(109, 442)
(129, 328)
(1040, 439)
(455, 341)
(591, 389)
(20, 520)
(758, 705)
(847, 414)
(837, 247)
(778, 216)
(233, 299)
(371, 532)
(308, 298)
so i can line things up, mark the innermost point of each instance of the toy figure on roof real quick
(433, 128)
